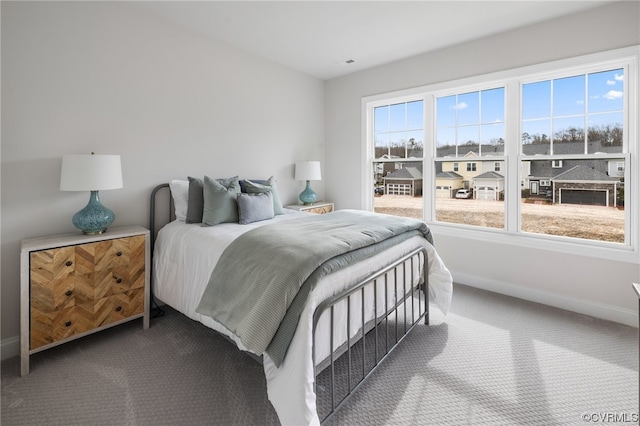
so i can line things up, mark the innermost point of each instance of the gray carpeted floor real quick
(493, 360)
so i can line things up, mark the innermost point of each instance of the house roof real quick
(582, 173)
(560, 148)
(448, 175)
(405, 173)
(465, 150)
(489, 175)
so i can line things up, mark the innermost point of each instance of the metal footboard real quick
(361, 354)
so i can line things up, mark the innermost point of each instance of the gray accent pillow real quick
(243, 183)
(220, 205)
(269, 185)
(195, 201)
(255, 207)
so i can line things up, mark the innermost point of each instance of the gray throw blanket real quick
(260, 284)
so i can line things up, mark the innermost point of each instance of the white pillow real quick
(180, 194)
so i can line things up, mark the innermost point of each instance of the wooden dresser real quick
(72, 285)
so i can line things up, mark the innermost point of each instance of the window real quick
(397, 165)
(567, 131)
(579, 116)
(470, 124)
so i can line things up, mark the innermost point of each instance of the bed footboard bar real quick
(347, 366)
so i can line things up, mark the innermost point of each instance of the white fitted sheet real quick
(184, 257)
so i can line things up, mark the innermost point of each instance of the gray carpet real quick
(494, 360)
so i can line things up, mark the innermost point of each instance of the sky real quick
(594, 99)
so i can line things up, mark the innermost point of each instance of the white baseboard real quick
(10, 347)
(598, 310)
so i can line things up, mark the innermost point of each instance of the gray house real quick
(404, 181)
(584, 185)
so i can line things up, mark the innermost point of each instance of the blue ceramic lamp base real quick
(308, 197)
(94, 218)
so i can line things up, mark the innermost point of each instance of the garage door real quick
(443, 192)
(398, 189)
(581, 196)
(486, 193)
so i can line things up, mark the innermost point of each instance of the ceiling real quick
(319, 37)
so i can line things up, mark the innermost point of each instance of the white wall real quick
(600, 287)
(106, 77)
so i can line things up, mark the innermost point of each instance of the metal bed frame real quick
(379, 335)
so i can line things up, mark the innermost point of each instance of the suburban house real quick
(562, 181)
(406, 180)
(447, 183)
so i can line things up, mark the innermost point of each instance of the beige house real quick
(471, 166)
(488, 186)
(465, 172)
(447, 183)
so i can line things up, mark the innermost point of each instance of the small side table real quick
(72, 285)
(319, 207)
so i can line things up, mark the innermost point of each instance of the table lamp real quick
(91, 173)
(308, 171)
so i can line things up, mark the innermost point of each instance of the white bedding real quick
(184, 257)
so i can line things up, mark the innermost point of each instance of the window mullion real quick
(513, 173)
(429, 174)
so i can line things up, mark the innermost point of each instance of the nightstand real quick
(72, 285)
(319, 207)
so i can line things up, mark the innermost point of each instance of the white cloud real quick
(580, 102)
(613, 94)
(461, 105)
(610, 83)
(619, 77)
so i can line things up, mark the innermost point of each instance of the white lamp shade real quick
(308, 170)
(90, 172)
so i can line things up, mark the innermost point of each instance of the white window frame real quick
(626, 58)
(472, 167)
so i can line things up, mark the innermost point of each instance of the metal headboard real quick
(155, 223)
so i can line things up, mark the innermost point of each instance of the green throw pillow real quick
(220, 205)
(269, 185)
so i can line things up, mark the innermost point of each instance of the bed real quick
(349, 320)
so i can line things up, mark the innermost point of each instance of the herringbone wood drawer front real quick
(71, 288)
(321, 210)
(72, 285)
(75, 289)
